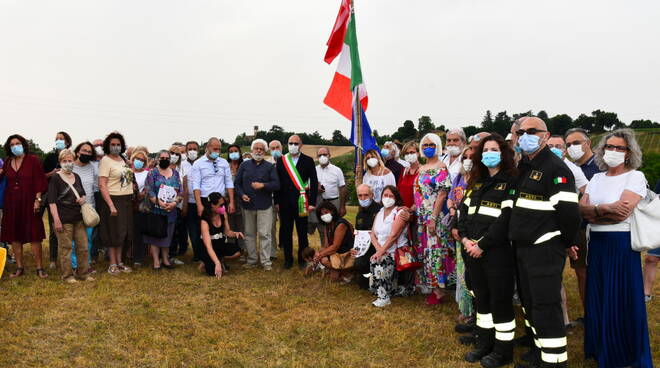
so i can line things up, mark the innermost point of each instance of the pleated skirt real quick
(616, 328)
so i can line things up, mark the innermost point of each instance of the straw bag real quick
(90, 216)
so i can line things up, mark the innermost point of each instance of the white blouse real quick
(383, 227)
(604, 189)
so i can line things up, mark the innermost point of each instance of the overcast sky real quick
(160, 71)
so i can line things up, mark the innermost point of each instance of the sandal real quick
(19, 272)
(41, 273)
(114, 269)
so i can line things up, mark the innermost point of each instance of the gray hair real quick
(634, 160)
(259, 141)
(164, 151)
(396, 148)
(434, 138)
(459, 132)
(577, 130)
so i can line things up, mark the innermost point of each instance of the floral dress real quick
(436, 252)
(463, 296)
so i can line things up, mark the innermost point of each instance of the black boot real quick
(485, 341)
(469, 339)
(532, 356)
(501, 355)
(465, 327)
(526, 340)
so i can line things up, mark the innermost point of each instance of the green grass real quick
(249, 318)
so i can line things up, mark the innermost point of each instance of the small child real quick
(308, 255)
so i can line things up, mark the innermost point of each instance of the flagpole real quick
(358, 122)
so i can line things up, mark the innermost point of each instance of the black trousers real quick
(540, 268)
(193, 224)
(179, 244)
(287, 219)
(491, 280)
(363, 267)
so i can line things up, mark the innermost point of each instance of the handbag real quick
(405, 259)
(342, 261)
(645, 218)
(90, 216)
(153, 225)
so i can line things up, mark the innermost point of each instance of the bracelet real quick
(596, 210)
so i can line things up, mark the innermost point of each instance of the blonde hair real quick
(434, 138)
(139, 152)
(408, 145)
(66, 152)
(374, 153)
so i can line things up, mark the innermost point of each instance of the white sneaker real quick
(381, 302)
(176, 261)
(249, 265)
(268, 268)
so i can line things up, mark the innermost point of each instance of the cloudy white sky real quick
(165, 70)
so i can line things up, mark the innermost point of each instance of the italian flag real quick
(348, 77)
(560, 180)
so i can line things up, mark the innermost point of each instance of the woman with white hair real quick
(377, 176)
(616, 329)
(433, 246)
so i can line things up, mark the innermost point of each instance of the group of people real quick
(490, 218)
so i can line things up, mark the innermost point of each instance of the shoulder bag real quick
(644, 219)
(90, 216)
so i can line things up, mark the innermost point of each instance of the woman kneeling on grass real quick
(337, 243)
(67, 218)
(215, 228)
(389, 232)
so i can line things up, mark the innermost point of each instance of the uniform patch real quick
(535, 175)
(490, 204)
(478, 186)
(531, 197)
(500, 186)
(512, 192)
(560, 180)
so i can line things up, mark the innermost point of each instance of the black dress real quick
(220, 247)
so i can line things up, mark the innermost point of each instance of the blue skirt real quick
(615, 326)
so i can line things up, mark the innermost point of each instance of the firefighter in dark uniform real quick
(483, 228)
(543, 226)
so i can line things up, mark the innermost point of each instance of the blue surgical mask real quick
(276, 154)
(213, 155)
(491, 159)
(557, 152)
(365, 202)
(138, 164)
(529, 143)
(234, 156)
(517, 148)
(60, 144)
(385, 153)
(17, 150)
(429, 152)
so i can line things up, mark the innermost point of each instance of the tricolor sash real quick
(302, 187)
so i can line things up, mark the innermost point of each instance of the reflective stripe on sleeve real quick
(504, 336)
(534, 205)
(554, 358)
(506, 326)
(488, 211)
(558, 342)
(467, 201)
(485, 320)
(564, 196)
(472, 210)
(507, 203)
(547, 236)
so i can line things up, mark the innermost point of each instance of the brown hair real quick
(480, 171)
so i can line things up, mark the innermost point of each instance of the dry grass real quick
(248, 319)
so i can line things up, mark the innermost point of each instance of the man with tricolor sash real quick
(298, 190)
(544, 222)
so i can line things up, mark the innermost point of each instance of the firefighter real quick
(543, 226)
(483, 228)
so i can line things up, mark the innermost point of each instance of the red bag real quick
(405, 259)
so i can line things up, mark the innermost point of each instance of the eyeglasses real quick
(574, 143)
(294, 144)
(426, 145)
(559, 146)
(611, 147)
(530, 131)
(323, 155)
(216, 168)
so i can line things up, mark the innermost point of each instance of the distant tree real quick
(380, 139)
(471, 130)
(605, 120)
(560, 124)
(406, 132)
(643, 124)
(522, 114)
(338, 139)
(502, 123)
(585, 122)
(424, 125)
(487, 123)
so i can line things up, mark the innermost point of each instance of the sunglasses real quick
(294, 144)
(611, 147)
(426, 145)
(530, 131)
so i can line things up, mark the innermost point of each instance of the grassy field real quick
(250, 318)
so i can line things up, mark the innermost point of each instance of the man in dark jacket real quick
(298, 189)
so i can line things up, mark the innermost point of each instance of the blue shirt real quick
(590, 168)
(250, 172)
(210, 176)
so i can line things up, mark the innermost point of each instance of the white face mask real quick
(67, 167)
(174, 159)
(454, 150)
(323, 160)
(575, 151)
(192, 155)
(293, 149)
(467, 164)
(184, 157)
(372, 162)
(614, 158)
(388, 202)
(99, 151)
(411, 158)
(326, 218)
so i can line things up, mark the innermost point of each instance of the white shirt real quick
(378, 183)
(140, 178)
(383, 227)
(331, 177)
(403, 163)
(604, 189)
(453, 168)
(186, 169)
(580, 179)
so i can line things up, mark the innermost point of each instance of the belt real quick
(620, 227)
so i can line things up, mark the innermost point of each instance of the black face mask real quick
(164, 163)
(85, 159)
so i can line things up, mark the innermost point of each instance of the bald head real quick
(476, 139)
(533, 122)
(275, 145)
